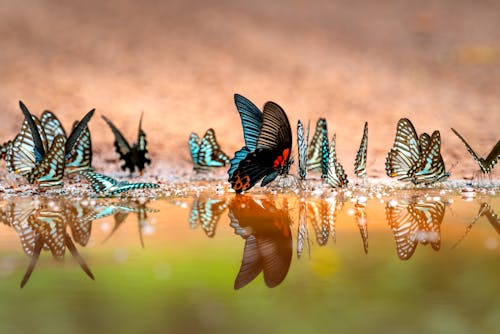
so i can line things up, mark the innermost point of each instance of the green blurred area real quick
(176, 289)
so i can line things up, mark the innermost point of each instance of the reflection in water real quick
(43, 225)
(268, 239)
(323, 216)
(484, 210)
(120, 213)
(207, 212)
(360, 213)
(414, 222)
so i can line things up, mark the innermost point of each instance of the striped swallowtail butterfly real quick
(316, 153)
(486, 164)
(336, 176)
(133, 156)
(107, 186)
(302, 143)
(268, 145)
(206, 152)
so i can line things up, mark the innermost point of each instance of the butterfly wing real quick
(315, 149)
(50, 171)
(80, 157)
(272, 154)
(492, 158)
(429, 216)
(405, 152)
(335, 176)
(251, 121)
(52, 126)
(39, 144)
(360, 162)
(210, 153)
(122, 146)
(430, 166)
(404, 227)
(302, 142)
(4, 148)
(210, 212)
(194, 148)
(100, 183)
(141, 149)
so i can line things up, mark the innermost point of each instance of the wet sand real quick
(437, 63)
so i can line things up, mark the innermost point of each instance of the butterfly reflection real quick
(44, 225)
(418, 221)
(207, 212)
(322, 215)
(268, 239)
(487, 211)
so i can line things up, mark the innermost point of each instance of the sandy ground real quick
(436, 62)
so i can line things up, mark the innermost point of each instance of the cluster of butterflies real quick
(46, 225)
(43, 153)
(268, 145)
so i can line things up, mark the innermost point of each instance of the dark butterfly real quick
(415, 159)
(360, 162)
(207, 212)
(206, 152)
(491, 160)
(315, 151)
(268, 240)
(268, 145)
(302, 142)
(78, 148)
(415, 222)
(106, 186)
(336, 176)
(133, 156)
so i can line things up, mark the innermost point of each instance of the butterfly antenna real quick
(37, 249)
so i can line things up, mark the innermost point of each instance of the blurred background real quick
(436, 62)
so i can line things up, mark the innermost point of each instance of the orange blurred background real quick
(436, 62)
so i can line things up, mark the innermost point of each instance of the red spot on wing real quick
(280, 160)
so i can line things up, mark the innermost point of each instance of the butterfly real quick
(268, 240)
(484, 210)
(206, 152)
(415, 222)
(268, 145)
(360, 214)
(491, 160)
(360, 162)
(315, 151)
(31, 156)
(207, 212)
(302, 142)
(415, 159)
(336, 176)
(133, 156)
(302, 230)
(107, 186)
(78, 148)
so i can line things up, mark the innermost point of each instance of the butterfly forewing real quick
(430, 166)
(314, 151)
(335, 176)
(52, 126)
(80, 157)
(50, 171)
(405, 152)
(302, 141)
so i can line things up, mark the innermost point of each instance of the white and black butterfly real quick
(78, 148)
(302, 144)
(486, 164)
(207, 212)
(415, 159)
(206, 152)
(133, 156)
(415, 222)
(315, 150)
(106, 186)
(336, 176)
(360, 162)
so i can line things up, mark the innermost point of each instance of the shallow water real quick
(378, 260)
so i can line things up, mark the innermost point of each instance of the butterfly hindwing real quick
(50, 171)
(315, 149)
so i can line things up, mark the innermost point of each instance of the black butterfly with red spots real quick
(268, 144)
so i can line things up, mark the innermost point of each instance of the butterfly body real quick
(134, 156)
(268, 140)
(206, 152)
